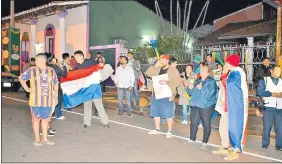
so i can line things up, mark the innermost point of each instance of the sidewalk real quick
(255, 124)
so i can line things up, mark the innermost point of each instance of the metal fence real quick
(251, 57)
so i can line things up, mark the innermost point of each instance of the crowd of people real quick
(199, 92)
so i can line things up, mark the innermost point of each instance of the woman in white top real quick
(184, 99)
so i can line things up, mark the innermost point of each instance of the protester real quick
(237, 100)
(221, 106)
(124, 81)
(196, 66)
(61, 72)
(263, 71)
(203, 99)
(43, 97)
(97, 56)
(73, 62)
(220, 67)
(84, 63)
(173, 64)
(103, 86)
(135, 64)
(270, 88)
(210, 62)
(184, 98)
(66, 61)
(163, 108)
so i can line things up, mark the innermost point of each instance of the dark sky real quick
(217, 8)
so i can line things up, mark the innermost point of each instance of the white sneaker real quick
(200, 126)
(184, 122)
(204, 145)
(168, 135)
(154, 132)
(189, 141)
(62, 118)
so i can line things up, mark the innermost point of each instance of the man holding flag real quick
(237, 105)
(83, 86)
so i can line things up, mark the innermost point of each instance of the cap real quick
(234, 60)
(197, 59)
(165, 57)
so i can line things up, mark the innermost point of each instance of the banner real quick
(14, 49)
(5, 49)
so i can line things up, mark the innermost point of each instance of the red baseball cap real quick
(165, 57)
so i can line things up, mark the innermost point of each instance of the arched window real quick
(24, 49)
(50, 38)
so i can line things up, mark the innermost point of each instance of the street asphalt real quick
(126, 140)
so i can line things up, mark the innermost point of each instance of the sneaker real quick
(51, 143)
(232, 155)
(204, 145)
(184, 122)
(107, 126)
(49, 134)
(221, 151)
(119, 115)
(189, 141)
(200, 126)
(52, 131)
(37, 143)
(62, 118)
(53, 116)
(168, 135)
(129, 115)
(84, 126)
(155, 131)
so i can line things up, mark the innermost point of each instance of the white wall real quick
(76, 26)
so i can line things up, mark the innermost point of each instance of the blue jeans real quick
(272, 116)
(163, 120)
(58, 108)
(185, 111)
(127, 93)
(135, 93)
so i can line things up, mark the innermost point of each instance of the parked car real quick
(9, 82)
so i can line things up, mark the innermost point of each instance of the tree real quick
(171, 44)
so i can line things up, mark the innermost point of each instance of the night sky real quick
(217, 8)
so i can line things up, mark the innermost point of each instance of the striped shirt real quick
(42, 84)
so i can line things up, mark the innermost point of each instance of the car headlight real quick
(16, 80)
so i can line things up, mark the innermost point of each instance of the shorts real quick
(41, 112)
(161, 108)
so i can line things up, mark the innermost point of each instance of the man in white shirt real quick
(124, 81)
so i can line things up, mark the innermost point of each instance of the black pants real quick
(103, 86)
(27, 93)
(205, 115)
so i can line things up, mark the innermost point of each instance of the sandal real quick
(48, 143)
(37, 143)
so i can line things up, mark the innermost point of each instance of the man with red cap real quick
(164, 108)
(237, 105)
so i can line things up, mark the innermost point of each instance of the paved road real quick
(126, 140)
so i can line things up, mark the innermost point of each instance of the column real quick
(250, 51)
(62, 20)
(33, 37)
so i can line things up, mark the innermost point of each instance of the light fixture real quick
(146, 38)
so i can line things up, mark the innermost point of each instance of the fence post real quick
(202, 53)
(250, 59)
(268, 51)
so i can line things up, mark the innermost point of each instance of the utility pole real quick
(278, 35)
(278, 38)
(12, 13)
